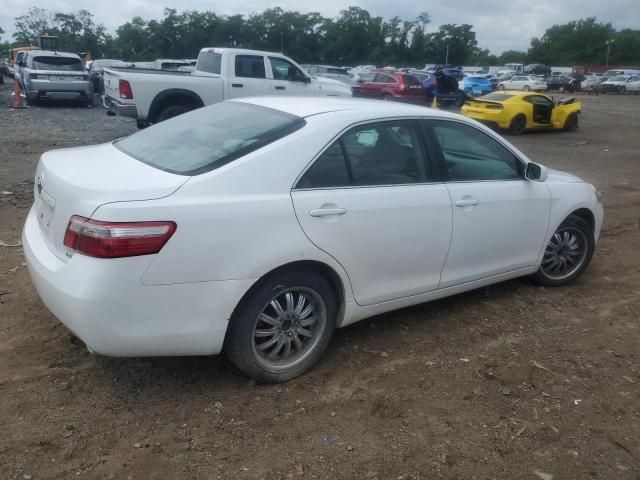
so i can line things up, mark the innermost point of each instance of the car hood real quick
(558, 176)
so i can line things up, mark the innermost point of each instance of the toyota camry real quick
(258, 226)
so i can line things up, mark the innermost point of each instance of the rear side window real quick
(382, 78)
(61, 64)
(207, 138)
(383, 153)
(472, 155)
(209, 62)
(411, 80)
(250, 66)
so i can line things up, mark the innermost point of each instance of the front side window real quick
(250, 66)
(383, 153)
(285, 70)
(209, 137)
(472, 155)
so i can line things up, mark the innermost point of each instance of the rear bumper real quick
(119, 108)
(47, 87)
(105, 304)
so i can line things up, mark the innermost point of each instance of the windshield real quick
(207, 138)
(496, 97)
(62, 64)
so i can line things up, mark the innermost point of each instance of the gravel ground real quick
(512, 381)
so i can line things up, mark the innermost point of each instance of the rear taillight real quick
(116, 239)
(125, 90)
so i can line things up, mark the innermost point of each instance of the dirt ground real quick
(508, 382)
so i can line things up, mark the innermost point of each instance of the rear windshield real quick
(210, 62)
(62, 64)
(496, 97)
(207, 138)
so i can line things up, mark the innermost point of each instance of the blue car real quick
(474, 85)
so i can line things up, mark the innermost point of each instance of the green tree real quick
(460, 40)
(577, 42)
(625, 48)
(511, 56)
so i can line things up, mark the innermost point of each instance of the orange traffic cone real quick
(17, 98)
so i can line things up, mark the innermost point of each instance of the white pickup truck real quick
(152, 96)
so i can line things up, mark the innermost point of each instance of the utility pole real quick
(446, 60)
(608, 44)
(282, 42)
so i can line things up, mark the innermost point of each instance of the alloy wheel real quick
(288, 328)
(565, 253)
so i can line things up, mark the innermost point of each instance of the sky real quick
(499, 25)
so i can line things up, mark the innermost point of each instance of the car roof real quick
(310, 106)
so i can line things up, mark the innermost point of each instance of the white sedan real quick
(523, 82)
(258, 226)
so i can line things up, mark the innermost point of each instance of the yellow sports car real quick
(516, 112)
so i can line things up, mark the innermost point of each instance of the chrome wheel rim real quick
(288, 328)
(565, 253)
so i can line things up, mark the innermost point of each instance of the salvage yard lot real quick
(511, 381)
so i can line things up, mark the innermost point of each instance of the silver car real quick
(54, 75)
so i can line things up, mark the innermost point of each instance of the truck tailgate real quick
(111, 85)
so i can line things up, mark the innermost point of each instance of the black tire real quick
(581, 229)
(571, 123)
(518, 125)
(500, 86)
(386, 97)
(526, 88)
(172, 111)
(240, 344)
(89, 102)
(622, 90)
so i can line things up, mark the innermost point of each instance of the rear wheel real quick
(567, 254)
(284, 326)
(622, 89)
(526, 88)
(500, 86)
(518, 125)
(172, 111)
(571, 123)
(386, 97)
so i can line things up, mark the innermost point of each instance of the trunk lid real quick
(76, 181)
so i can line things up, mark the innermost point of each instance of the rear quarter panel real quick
(563, 112)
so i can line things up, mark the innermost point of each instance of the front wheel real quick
(567, 254)
(500, 86)
(283, 327)
(571, 124)
(526, 88)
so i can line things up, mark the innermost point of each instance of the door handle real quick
(237, 85)
(467, 202)
(279, 87)
(325, 212)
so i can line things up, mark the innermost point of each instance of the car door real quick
(288, 79)
(371, 201)
(246, 76)
(499, 219)
(366, 85)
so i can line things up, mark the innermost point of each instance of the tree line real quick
(354, 37)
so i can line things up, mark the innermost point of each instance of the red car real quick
(389, 85)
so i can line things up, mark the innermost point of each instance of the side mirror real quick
(536, 172)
